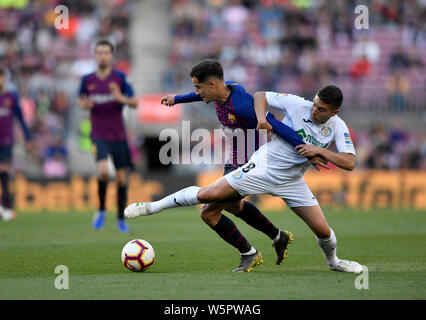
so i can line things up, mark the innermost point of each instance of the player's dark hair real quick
(2, 72)
(206, 69)
(105, 42)
(331, 95)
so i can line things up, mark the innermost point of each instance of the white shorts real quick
(253, 179)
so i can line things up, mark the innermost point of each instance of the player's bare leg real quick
(121, 179)
(314, 218)
(103, 176)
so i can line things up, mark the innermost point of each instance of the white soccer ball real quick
(137, 255)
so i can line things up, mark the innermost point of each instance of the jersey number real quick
(250, 166)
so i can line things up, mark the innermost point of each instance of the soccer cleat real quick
(136, 210)
(248, 262)
(347, 266)
(99, 219)
(122, 226)
(286, 237)
(7, 214)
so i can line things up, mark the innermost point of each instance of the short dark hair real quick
(331, 95)
(206, 69)
(105, 42)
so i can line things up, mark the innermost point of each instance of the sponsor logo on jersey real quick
(348, 138)
(283, 94)
(325, 131)
(91, 87)
(102, 98)
(237, 175)
(310, 139)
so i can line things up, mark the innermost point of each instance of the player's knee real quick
(206, 195)
(236, 208)
(209, 215)
(121, 181)
(103, 175)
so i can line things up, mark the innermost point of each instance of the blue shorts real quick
(119, 151)
(5, 154)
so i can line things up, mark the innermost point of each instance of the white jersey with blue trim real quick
(280, 155)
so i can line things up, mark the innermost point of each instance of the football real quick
(137, 255)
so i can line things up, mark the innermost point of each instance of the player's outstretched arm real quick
(168, 100)
(264, 120)
(186, 98)
(260, 103)
(172, 99)
(343, 160)
(268, 122)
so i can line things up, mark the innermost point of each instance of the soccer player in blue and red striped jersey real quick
(9, 108)
(234, 108)
(105, 93)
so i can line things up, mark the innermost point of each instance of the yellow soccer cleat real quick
(286, 237)
(248, 262)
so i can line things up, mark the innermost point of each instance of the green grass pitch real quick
(192, 262)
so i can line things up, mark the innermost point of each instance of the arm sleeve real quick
(185, 98)
(19, 116)
(286, 103)
(343, 139)
(83, 89)
(285, 132)
(126, 88)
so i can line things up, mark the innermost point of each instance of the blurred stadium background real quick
(292, 46)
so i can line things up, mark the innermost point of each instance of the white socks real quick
(182, 198)
(329, 247)
(250, 252)
(277, 237)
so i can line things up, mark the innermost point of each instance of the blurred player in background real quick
(234, 108)
(104, 93)
(9, 108)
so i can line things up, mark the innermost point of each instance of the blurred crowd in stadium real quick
(281, 45)
(44, 65)
(297, 46)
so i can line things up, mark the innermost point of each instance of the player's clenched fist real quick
(168, 100)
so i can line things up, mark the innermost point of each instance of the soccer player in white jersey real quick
(277, 168)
